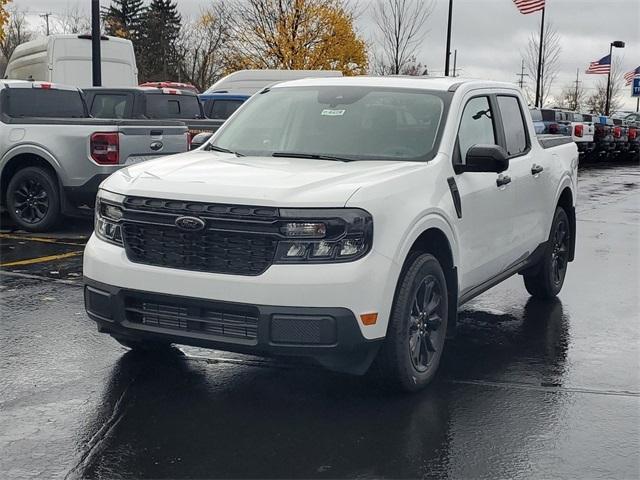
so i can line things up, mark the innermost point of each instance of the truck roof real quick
(417, 82)
(146, 90)
(7, 83)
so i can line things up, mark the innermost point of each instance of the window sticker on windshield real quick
(332, 113)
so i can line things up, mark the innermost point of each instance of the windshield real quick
(348, 122)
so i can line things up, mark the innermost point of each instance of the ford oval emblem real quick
(190, 224)
(155, 146)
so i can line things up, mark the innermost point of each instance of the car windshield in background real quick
(40, 102)
(536, 115)
(356, 123)
(162, 106)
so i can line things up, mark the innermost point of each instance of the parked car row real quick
(597, 136)
(57, 143)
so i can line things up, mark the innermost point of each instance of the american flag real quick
(629, 76)
(529, 6)
(601, 66)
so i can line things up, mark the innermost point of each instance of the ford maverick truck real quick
(342, 219)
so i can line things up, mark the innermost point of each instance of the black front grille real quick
(161, 205)
(214, 320)
(238, 253)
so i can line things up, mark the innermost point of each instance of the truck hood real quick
(224, 178)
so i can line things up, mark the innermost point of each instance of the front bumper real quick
(342, 291)
(331, 336)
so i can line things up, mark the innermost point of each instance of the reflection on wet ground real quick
(528, 389)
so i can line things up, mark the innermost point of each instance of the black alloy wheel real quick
(545, 279)
(33, 201)
(560, 252)
(410, 355)
(425, 324)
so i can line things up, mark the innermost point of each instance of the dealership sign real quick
(635, 87)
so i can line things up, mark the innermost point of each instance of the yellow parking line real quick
(31, 261)
(38, 239)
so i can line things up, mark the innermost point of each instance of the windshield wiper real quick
(315, 156)
(216, 148)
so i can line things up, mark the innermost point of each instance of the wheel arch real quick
(435, 241)
(22, 157)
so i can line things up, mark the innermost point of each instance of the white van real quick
(252, 81)
(66, 59)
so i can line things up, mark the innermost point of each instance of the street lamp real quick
(617, 44)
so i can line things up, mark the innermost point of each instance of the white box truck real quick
(66, 59)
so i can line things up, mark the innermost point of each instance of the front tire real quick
(410, 355)
(33, 200)
(547, 278)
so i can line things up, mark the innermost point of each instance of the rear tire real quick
(547, 277)
(33, 200)
(410, 355)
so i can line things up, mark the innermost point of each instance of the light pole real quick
(617, 44)
(448, 53)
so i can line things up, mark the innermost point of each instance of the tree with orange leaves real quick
(4, 17)
(296, 34)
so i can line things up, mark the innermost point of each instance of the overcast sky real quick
(490, 35)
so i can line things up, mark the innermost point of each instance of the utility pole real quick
(455, 61)
(448, 53)
(46, 19)
(521, 75)
(575, 95)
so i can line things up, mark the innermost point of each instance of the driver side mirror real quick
(485, 158)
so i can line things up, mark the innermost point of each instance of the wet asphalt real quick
(527, 389)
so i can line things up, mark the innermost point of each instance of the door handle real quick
(503, 180)
(536, 169)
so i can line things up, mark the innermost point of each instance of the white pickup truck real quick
(341, 219)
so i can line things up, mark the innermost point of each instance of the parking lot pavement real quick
(528, 389)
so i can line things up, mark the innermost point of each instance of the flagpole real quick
(540, 47)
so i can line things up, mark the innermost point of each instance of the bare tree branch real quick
(203, 46)
(550, 60)
(401, 29)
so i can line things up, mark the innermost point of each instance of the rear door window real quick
(172, 106)
(40, 102)
(515, 128)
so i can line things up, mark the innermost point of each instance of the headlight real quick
(324, 235)
(108, 215)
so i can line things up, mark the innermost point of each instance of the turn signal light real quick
(369, 318)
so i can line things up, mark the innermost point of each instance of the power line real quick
(521, 75)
